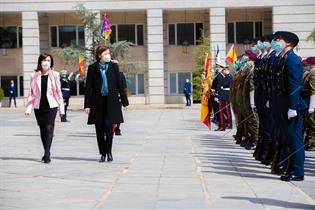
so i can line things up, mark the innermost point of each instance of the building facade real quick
(165, 34)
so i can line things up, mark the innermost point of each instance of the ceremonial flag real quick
(106, 30)
(205, 108)
(82, 66)
(231, 56)
(217, 55)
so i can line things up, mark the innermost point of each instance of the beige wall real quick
(11, 63)
(261, 14)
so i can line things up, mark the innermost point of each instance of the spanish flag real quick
(231, 56)
(82, 66)
(205, 108)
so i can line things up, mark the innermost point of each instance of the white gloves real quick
(292, 113)
(312, 104)
(216, 99)
(267, 104)
(252, 99)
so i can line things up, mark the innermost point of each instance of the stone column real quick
(217, 30)
(43, 32)
(31, 47)
(155, 57)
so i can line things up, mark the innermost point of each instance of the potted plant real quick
(1, 96)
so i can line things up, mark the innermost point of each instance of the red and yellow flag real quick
(231, 56)
(82, 66)
(205, 112)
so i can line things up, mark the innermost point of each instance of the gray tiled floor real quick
(165, 160)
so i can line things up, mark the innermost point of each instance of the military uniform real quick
(251, 122)
(224, 101)
(65, 89)
(309, 117)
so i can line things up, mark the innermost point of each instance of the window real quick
(21, 86)
(10, 37)
(130, 32)
(171, 34)
(127, 32)
(198, 32)
(113, 34)
(64, 36)
(240, 32)
(53, 36)
(20, 37)
(180, 33)
(173, 83)
(185, 33)
(135, 84)
(140, 34)
(177, 82)
(81, 41)
(67, 36)
(231, 33)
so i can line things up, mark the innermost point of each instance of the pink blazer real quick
(54, 95)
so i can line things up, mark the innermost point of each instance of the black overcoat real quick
(93, 97)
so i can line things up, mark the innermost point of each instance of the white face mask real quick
(106, 58)
(45, 65)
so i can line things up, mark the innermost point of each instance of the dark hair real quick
(42, 57)
(99, 50)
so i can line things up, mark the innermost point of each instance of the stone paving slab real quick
(165, 160)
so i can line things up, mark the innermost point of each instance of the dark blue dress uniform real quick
(294, 101)
(223, 88)
(214, 94)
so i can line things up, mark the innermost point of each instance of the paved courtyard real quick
(165, 160)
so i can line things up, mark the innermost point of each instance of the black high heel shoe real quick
(109, 157)
(47, 160)
(102, 159)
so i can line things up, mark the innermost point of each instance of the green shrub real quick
(1, 94)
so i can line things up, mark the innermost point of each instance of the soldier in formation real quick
(273, 99)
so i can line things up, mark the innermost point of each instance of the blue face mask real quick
(254, 50)
(248, 65)
(244, 59)
(266, 45)
(277, 46)
(260, 45)
(239, 64)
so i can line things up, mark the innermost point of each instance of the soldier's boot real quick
(267, 153)
(258, 147)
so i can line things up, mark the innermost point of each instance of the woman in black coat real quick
(103, 87)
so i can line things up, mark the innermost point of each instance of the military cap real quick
(288, 37)
(252, 56)
(269, 37)
(310, 60)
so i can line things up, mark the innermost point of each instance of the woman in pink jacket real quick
(45, 97)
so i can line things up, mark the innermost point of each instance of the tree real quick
(119, 50)
(311, 37)
(200, 55)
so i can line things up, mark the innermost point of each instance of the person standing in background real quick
(187, 92)
(12, 93)
(65, 89)
(124, 86)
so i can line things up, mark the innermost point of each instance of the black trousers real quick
(46, 122)
(104, 136)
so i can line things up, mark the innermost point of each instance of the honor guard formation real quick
(271, 91)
